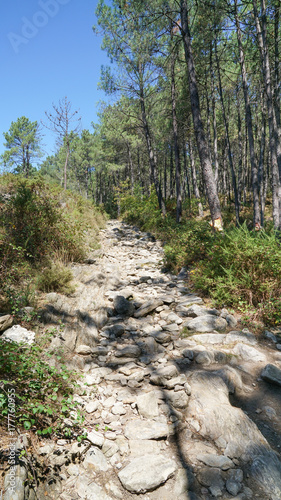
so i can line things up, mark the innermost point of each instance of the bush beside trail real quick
(239, 268)
(42, 229)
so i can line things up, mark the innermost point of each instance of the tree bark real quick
(254, 168)
(153, 174)
(234, 183)
(216, 161)
(194, 179)
(272, 125)
(202, 145)
(176, 140)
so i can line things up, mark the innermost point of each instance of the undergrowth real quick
(239, 268)
(42, 229)
(35, 395)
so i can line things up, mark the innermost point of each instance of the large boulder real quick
(271, 374)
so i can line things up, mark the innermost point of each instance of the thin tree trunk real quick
(171, 173)
(234, 184)
(165, 175)
(240, 148)
(277, 86)
(65, 164)
(216, 161)
(254, 168)
(186, 170)
(262, 170)
(194, 179)
(153, 174)
(273, 132)
(176, 141)
(202, 145)
(131, 170)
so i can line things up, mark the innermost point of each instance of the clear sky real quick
(48, 51)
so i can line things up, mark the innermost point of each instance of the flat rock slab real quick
(130, 351)
(197, 310)
(248, 353)
(148, 307)
(147, 473)
(207, 323)
(271, 374)
(236, 336)
(269, 482)
(87, 487)
(191, 299)
(219, 461)
(146, 429)
(209, 338)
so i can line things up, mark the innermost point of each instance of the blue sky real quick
(48, 51)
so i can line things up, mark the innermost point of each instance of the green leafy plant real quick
(242, 269)
(43, 393)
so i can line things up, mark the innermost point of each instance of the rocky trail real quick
(182, 403)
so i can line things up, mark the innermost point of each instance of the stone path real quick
(161, 370)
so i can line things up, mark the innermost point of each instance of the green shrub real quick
(56, 278)
(41, 223)
(242, 269)
(239, 268)
(42, 393)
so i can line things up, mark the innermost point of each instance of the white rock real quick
(146, 429)
(148, 405)
(96, 438)
(248, 353)
(18, 334)
(95, 461)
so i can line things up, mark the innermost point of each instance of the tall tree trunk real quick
(153, 173)
(66, 163)
(261, 169)
(185, 171)
(176, 140)
(254, 168)
(165, 175)
(277, 87)
(240, 148)
(172, 183)
(216, 161)
(131, 169)
(234, 184)
(272, 125)
(194, 179)
(209, 181)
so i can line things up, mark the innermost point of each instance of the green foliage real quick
(239, 268)
(188, 243)
(41, 225)
(242, 269)
(140, 209)
(23, 144)
(43, 394)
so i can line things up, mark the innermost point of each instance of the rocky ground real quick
(181, 402)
